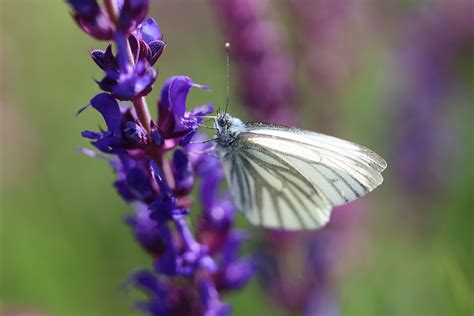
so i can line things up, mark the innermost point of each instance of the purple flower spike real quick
(183, 282)
(91, 19)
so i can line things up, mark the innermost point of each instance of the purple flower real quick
(134, 82)
(149, 33)
(92, 19)
(125, 79)
(164, 297)
(183, 173)
(234, 272)
(173, 118)
(264, 66)
(132, 13)
(135, 133)
(210, 300)
(133, 182)
(147, 231)
(98, 23)
(426, 147)
(327, 49)
(112, 140)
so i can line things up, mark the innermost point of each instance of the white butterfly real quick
(288, 178)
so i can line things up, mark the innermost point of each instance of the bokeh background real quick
(396, 76)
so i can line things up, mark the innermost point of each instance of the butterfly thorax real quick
(228, 129)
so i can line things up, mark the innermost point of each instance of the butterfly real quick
(287, 178)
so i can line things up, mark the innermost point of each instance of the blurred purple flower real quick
(434, 40)
(164, 297)
(264, 66)
(146, 230)
(94, 20)
(326, 27)
(131, 15)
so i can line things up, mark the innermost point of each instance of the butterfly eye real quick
(221, 122)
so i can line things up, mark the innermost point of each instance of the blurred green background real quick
(64, 248)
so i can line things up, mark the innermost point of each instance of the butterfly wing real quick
(289, 178)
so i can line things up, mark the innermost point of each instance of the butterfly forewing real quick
(289, 178)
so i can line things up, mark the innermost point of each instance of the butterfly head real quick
(228, 128)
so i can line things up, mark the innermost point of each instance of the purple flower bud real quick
(133, 181)
(146, 230)
(132, 13)
(135, 133)
(139, 183)
(183, 173)
(92, 19)
(159, 178)
(157, 290)
(148, 31)
(156, 137)
(168, 262)
(235, 273)
(156, 49)
(131, 83)
(99, 58)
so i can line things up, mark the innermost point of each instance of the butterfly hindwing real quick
(273, 193)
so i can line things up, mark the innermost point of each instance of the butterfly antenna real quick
(206, 126)
(203, 142)
(227, 53)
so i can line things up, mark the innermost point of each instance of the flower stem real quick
(112, 10)
(139, 104)
(142, 112)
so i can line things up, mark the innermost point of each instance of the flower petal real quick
(109, 108)
(175, 91)
(148, 31)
